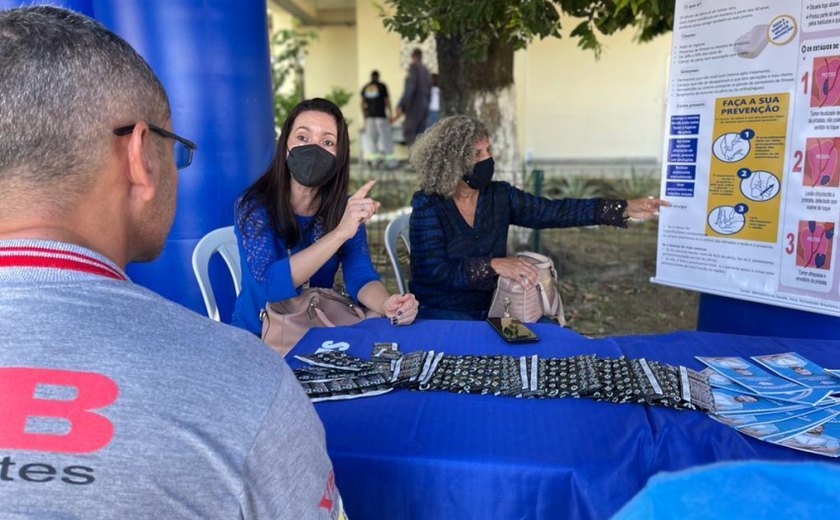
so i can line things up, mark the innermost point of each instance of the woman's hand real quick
(401, 308)
(645, 208)
(358, 211)
(518, 269)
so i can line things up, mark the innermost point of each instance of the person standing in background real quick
(434, 103)
(376, 107)
(414, 103)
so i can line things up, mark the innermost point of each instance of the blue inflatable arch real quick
(213, 59)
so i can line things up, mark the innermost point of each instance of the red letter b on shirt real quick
(89, 431)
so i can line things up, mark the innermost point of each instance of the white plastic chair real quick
(222, 241)
(397, 228)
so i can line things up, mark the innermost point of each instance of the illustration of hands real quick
(726, 219)
(731, 147)
(762, 186)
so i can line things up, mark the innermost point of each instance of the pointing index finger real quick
(363, 191)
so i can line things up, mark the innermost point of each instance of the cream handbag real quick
(528, 305)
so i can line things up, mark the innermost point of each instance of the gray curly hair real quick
(444, 153)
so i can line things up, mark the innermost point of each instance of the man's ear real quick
(142, 177)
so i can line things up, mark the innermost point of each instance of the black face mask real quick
(311, 165)
(481, 174)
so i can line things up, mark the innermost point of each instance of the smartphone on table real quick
(512, 330)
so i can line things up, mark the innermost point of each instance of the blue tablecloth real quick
(439, 455)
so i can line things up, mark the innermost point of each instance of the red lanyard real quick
(31, 256)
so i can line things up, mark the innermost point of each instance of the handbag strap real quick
(536, 257)
(542, 262)
(322, 316)
(316, 308)
(549, 309)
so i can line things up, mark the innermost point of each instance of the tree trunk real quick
(485, 91)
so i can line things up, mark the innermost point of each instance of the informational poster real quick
(751, 163)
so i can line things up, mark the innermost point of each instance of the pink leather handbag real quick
(285, 322)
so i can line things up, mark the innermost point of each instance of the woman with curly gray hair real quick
(460, 219)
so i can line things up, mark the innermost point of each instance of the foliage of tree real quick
(476, 39)
(478, 30)
(288, 53)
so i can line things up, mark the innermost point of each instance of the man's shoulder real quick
(175, 331)
(188, 323)
(136, 335)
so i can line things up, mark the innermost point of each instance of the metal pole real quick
(538, 184)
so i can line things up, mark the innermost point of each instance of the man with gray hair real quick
(114, 402)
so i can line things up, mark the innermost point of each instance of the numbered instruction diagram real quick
(751, 163)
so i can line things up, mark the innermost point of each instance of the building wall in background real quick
(332, 62)
(278, 19)
(574, 106)
(570, 105)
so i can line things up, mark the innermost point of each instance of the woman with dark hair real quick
(295, 225)
(460, 219)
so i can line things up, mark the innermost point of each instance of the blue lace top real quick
(450, 261)
(266, 272)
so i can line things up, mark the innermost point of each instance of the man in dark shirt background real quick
(414, 102)
(376, 106)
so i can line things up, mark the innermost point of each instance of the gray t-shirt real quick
(116, 403)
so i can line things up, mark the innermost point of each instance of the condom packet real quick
(696, 392)
(459, 373)
(619, 383)
(386, 350)
(533, 376)
(649, 383)
(441, 378)
(335, 359)
(490, 379)
(407, 368)
(344, 397)
(314, 373)
(430, 368)
(510, 379)
(588, 381)
(322, 374)
(348, 387)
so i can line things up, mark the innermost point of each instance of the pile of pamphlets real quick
(780, 398)
(333, 375)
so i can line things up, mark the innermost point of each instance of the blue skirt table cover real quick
(438, 455)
